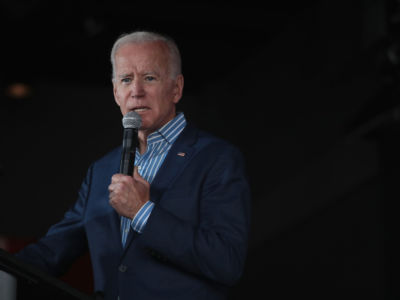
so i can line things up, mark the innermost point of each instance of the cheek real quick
(121, 97)
(117, 96)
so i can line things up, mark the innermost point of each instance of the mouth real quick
(141, 109)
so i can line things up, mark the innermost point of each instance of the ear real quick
(178, 88)
(115, 93)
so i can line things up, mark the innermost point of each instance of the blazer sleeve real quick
(64, 242)
(214, 246)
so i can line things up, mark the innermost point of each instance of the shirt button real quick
(139, 167)
(122, 268)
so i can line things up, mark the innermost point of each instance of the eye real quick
(126, 80)
(150, 78)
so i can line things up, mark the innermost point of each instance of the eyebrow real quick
(125, 75)
(143, 74)
(151, 73)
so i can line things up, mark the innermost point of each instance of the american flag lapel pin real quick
(182, 154)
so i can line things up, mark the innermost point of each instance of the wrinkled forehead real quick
(143, 55)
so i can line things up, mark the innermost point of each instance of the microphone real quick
(131, 123)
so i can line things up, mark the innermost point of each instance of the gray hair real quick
(137, 37)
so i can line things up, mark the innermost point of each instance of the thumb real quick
(137, 176)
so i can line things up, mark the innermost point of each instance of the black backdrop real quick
(306, 89)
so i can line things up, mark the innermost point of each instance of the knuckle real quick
(125, 179)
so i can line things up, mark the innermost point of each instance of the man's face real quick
(143, 83)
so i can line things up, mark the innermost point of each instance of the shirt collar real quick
(169, 132)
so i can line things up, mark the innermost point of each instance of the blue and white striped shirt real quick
(158, 145)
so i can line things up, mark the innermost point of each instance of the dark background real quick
(308, 90)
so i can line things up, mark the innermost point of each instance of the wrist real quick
(139, 221)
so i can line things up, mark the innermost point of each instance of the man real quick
(177, 228)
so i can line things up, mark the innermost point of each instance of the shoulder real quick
(206, 143)
(194, 135)
(109, 161)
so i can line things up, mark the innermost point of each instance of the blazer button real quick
(122, 268)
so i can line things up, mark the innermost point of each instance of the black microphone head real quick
(132, 120)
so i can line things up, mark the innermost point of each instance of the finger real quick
(111, 187)
(117, 177)
(116, 188)
(114, 178)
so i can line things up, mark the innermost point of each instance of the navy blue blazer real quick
(194, 243)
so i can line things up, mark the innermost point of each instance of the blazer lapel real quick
(178, 157)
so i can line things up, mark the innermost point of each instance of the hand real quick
(128, 194)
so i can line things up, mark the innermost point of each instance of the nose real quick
(137, 89)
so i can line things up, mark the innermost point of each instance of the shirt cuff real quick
(140, 219)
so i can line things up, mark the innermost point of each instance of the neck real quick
(144, 133)
(142, 136)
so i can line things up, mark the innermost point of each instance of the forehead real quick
(145, 56)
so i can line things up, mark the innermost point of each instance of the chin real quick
(145, 127)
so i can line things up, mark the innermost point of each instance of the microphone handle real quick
(129, 144)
